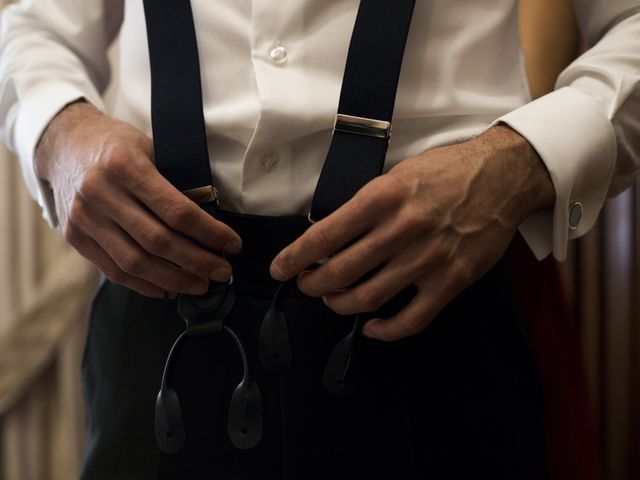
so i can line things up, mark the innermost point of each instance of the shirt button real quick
(575, 215)
(269, 161)
(278, 55)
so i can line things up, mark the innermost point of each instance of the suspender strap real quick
(179, 134)
(363, 124)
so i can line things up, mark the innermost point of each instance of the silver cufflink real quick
(575, 215)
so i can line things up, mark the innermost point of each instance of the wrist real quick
(54, 137)
(523, 181)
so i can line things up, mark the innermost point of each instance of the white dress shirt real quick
(272, 72)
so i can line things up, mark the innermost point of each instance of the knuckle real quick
(91, 185)
(155, 240)
(388, 190)
(179, 215)
(116, 155)
(218, 236)
(318, 240)
(123, 164)
(413, 220)
(412, 325)
(115, 159)
(439, 253)
(340, 271)
(369, 298)
(463, 272)
(201, 267)
(132, 263)
(77, 210)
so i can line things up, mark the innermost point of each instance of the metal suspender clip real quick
(200, 195)
(362, 126)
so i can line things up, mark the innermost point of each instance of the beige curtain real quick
(44, 287)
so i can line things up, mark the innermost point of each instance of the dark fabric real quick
(368, 90)
(460, 400)
(179, 134)
(554, 330)
(353, 160)
(374, 59)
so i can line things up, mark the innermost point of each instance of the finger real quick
(431, 298)
(159, 240)
(372, 294)
(324, 238)
(181, 213)
(91, 250)
(351, 264)
(133, 260)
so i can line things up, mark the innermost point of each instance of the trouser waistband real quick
(263, 237)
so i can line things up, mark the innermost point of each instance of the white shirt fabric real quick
(272, 73)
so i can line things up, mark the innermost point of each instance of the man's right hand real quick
(116, 209)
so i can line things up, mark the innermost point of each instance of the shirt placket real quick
(276, 51)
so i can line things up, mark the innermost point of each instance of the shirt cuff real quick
(35, 113)
(576, 141)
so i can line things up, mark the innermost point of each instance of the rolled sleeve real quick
(577, 143)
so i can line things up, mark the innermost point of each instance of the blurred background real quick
(583, 317)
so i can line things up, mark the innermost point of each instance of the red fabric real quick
(554, 334)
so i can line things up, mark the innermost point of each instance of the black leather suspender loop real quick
(179, 135)
(368, 92)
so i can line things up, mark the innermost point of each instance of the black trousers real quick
(460, 400)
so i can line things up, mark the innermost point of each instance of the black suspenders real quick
(179, 134)
(360, 139)
(363, 123)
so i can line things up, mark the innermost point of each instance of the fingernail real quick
(232, 247)
(277, 273)
(170, 295)
(303, 273)
(366, 331)
(220, 274)
(324, 300)
(198, 289)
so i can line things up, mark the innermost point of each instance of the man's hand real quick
(116, 210)
(438, 221)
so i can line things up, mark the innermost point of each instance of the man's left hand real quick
(438, 221)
